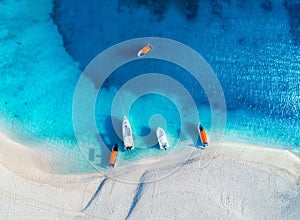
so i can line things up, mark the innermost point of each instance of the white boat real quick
(127, 134)
(162, 138)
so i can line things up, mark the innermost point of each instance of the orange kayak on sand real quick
(203, 136)
(144, 50)
(113, 155)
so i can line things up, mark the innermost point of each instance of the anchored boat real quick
(203, 136)
(127, 135)
(162, 138)
(113, 155)
(144, 50)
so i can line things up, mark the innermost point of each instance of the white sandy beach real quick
(238, 182)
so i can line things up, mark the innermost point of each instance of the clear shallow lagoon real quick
(254, 49)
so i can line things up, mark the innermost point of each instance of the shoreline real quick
(23, 160)
(32, 164)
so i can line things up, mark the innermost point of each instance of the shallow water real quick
(253, 47)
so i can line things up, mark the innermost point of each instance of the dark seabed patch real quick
(267, 5)
(293, 8)
(189, 9)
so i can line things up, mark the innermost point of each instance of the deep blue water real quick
(253, 47)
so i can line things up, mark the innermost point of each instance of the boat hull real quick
(162, 139)
(127, 134)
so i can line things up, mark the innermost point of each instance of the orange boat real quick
(144, 50)
(203, 136)
(113, 155)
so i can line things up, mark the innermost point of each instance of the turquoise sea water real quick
(253, 47)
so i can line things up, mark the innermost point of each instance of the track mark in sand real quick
(42, 206)
(226, 201)
(112, 187)
(95, 194)
(154, 184)
(154, 191)
(137, 195)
